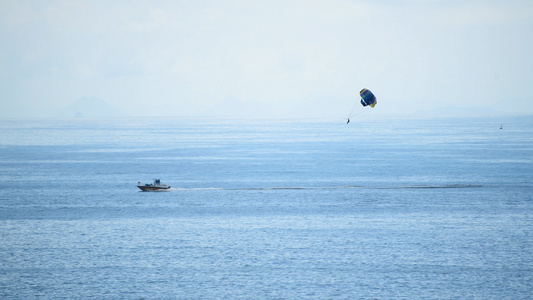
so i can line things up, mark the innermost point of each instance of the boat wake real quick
(445, 186)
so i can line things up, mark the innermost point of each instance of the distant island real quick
(91, 107)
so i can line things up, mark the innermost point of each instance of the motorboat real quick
(154, 186)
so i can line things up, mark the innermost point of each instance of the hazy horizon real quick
(276, 58)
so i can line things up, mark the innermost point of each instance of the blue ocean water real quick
(267, 209)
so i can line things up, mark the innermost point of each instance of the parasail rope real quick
(354, 112)
(353, 108)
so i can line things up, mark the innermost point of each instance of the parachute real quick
(367, 99)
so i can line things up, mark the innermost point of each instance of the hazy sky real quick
(174, 58)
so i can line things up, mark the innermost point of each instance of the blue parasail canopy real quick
(367, 98)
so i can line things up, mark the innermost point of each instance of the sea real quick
(267, 208)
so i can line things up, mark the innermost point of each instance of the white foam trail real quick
(445, 186)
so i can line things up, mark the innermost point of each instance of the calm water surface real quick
(267, 209)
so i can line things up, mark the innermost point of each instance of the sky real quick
(266, 58)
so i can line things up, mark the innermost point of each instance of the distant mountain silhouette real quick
(92, 107)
